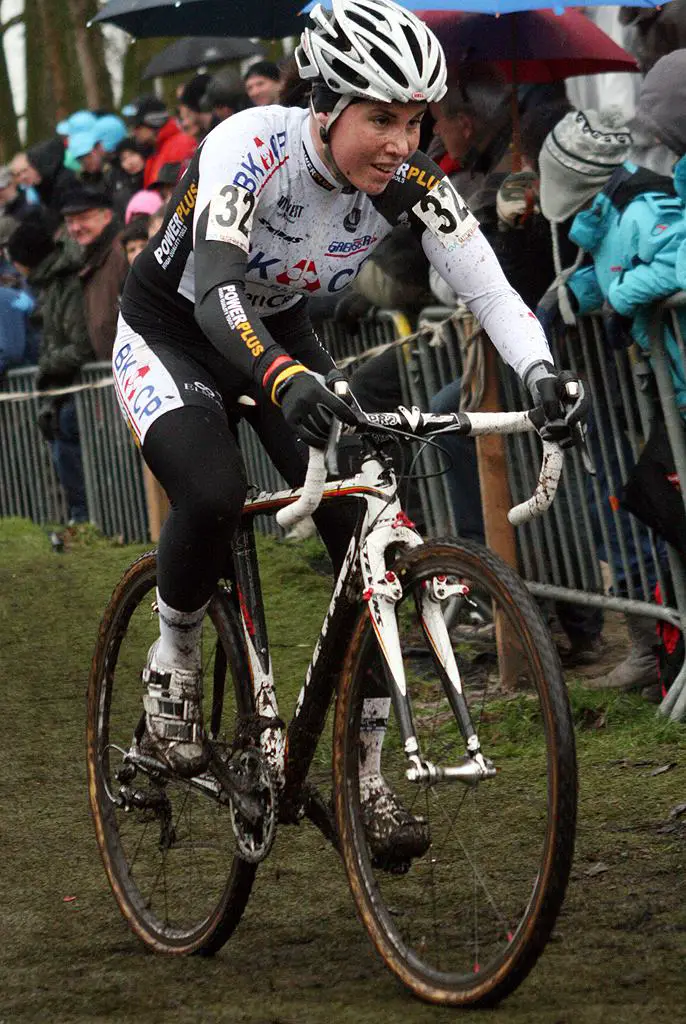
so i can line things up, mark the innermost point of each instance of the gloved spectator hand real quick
(517, 199)
(48, 421)
(350, 310)
(561, 404)
(617, 328)
(548, 312)
(309, 408)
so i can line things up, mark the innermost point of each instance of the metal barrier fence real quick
(28, 485)
(112, 464)
(585, 551)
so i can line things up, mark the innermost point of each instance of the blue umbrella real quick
(502, 6)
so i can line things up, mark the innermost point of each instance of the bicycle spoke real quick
(451, 918)
(169, 848)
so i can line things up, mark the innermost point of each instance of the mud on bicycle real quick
(488, 770)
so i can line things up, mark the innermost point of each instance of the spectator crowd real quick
(589, 213)
(75, 211)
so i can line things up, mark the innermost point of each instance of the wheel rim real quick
(467, 913)
(169, 862)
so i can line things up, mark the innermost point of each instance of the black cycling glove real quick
(561, 404)
(309, 408)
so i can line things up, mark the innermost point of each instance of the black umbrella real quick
(199, 51)
(272, 19)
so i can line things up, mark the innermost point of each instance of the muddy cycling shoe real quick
(395, 836)
(174, 731)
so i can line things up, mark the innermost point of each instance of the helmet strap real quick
(325, 136)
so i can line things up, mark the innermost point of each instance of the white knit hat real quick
(578, 157)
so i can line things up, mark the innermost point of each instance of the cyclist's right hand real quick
(561, 404)
(309, 407)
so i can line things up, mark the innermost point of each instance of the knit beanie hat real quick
(31, 242)
(578, 157)
(662, 102)
(143, 203)
(110, 130)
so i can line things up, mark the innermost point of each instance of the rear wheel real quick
(467, 921)
(167, 843)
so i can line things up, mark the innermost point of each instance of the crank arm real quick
(234, 786)
(319, 812)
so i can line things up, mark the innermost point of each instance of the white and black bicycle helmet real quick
(374, 50)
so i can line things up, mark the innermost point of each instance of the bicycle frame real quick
(364, 574)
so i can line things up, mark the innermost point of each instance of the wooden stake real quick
(496, 501)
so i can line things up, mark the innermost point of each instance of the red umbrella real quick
(529, 46)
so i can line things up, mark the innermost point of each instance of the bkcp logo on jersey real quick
(258, 167)
(138, 394)
(302, 274)
(352, 248)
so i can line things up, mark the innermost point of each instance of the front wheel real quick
(467, 921)
(167, 843)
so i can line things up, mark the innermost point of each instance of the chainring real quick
(254, 840)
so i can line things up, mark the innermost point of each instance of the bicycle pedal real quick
(150, 765)
(391, 866)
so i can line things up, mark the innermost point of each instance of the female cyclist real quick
(276, 205)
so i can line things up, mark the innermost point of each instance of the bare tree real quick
(9, 135)
(91, 54)
(54, 85)
(40, 121)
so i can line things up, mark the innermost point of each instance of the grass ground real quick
(299, 955)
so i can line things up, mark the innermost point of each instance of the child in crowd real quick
(127, 173)
(134, 237)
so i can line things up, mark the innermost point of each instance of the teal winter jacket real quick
(634, 230)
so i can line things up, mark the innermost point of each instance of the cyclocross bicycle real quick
(480, 742)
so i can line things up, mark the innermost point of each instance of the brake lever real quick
(339, 385)
(582, 444)
(571, 396)
(331, 451)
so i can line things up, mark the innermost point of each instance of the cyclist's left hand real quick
(561, 405)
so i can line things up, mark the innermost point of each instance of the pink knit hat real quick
(144, 202)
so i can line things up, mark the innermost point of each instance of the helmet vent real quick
(363, 22)
(371, 11)
(347, 74)
(414, 47)
(391, 69)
